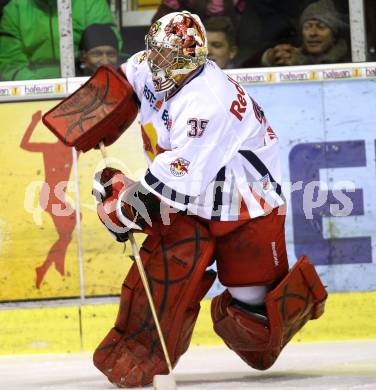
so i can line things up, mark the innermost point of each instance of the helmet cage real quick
(166, 65)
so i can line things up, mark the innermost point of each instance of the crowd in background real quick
(252, 33)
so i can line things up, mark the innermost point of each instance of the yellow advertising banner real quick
(46, 251)
(53, 246)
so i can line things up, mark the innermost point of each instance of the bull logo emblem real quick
(179, 167)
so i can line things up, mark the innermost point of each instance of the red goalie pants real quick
(251, 252)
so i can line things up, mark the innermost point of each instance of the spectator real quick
(264, 24)
(29, 35)
(203, 8)
(321, 26)
(98, 46)
(258, 24)
(221, 36)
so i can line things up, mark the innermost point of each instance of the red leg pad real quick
(175, 259)
(298, 298)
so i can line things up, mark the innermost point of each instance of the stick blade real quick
(164, 382)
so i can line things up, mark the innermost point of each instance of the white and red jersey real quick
(209, 146)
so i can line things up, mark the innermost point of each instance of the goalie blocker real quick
(99, 111)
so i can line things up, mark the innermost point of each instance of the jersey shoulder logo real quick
(179, 167)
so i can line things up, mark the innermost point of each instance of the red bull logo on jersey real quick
(179, 167)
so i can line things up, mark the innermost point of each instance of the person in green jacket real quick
(29, 36)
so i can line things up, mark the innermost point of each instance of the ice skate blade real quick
(164, 382)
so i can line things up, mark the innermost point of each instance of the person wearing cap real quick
(98, 46)
(322, 43)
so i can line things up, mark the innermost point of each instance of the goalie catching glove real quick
(123, 204)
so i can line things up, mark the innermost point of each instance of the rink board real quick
(325, 123)
(348, 316)
(32, 238)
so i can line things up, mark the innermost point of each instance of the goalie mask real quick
(176, 44)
